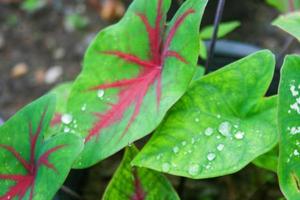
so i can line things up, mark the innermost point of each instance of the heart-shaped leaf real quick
(33, 168)
(220, 125)
(289, 23)
(289, 128)
(133, 73)
(268, 161)
(131, 183)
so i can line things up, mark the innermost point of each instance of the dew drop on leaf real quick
(83, 108)
(211, 156)
(100, 93)
(220, 147)
(175, 149)
(225, 129)
(183, 143)
(209, 131)
(193, 169)
(66, 118)
(296, 152)
(239, 135)
(165, 167)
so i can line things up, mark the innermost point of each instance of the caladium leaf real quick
(62, 93)
(289, 128)
(220, 125)
(130, 183)
(285, 5)
(31, 167)
(133, 73)
(289, 23)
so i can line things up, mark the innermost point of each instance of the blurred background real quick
(42, 43)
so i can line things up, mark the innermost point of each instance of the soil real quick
(41, 41)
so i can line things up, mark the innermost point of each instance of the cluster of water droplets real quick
(295, 92)
(69, 123)
(294, 108)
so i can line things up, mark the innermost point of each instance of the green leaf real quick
(289, 23)
(200, 70)
(130, 79)
(224, 29)
(138, 183)
(62, 93)
(268, 161)
(220, 125)
(289, 128)
(285, 5)
(33, 168)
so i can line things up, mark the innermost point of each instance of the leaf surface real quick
(220, 125)
(289, 23)
(133, 73)
(138, 183)
(289, 128)
(33, 168)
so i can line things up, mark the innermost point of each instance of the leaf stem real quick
(70, 192)
(217, 21)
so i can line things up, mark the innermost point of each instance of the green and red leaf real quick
(133, 73)
(130, 183)
(28, 162)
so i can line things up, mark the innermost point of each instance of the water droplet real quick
(294, 91)
(100, 93)
(218, 116)
(83, 108)
(66, 118)
(158, 157)
(175, 150)
(239, 135)
(66, 129)
(211, 156)
(193, 169)
(220, 147)
(183, 143)
(209, 131)
(165, 167)
(296, 152)
(197, 119)
(193, 140)
(225, 128)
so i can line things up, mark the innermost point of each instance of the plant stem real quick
(284, 50)
(70, 192)
(217, 21)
